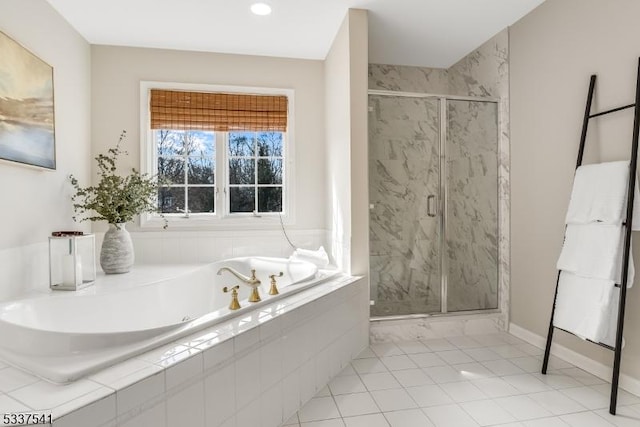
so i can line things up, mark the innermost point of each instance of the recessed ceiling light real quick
(261, 9)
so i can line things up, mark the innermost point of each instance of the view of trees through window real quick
(187, 161)
(255, 171)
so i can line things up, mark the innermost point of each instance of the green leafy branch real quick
(116, 199)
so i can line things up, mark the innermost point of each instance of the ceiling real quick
(428, 33)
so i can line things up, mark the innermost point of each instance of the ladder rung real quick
(608, 347)
(613, 110)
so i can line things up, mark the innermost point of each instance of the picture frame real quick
(27, 116)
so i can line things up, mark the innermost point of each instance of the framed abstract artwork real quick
(27, 128)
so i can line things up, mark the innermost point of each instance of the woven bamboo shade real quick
(180, 110)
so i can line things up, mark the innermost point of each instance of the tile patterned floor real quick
(489, 380)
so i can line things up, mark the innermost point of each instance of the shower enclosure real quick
(433, 189)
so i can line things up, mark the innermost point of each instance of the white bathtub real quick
(63, 336)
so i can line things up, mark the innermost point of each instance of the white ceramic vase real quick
(116, 255)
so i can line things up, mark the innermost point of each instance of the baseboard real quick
(600, 370)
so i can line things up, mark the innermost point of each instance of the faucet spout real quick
(251, 281)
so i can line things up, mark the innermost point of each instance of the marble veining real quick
(479, 265)
(404, 241)
(408, 79)
(485, 72)
(472, 208)
(434, 327)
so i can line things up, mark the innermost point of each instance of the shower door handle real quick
(430, 202)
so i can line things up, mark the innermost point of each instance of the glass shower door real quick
(404, 184)
(471, 242)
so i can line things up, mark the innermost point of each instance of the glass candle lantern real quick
(72, 261)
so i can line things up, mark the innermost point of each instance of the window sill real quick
(243, 222)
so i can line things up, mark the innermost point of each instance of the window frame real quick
(256, 185)
(222, 218)
(186, 185)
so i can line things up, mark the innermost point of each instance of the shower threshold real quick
(433, 315)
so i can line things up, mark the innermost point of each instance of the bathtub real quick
(63, 336)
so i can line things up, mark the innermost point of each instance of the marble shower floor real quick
(488, 380)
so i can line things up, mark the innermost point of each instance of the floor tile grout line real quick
(519, 391)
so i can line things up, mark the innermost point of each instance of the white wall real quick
(345, 95)
(36, 202)
(554, 50)
(338, 140)
(116, 76)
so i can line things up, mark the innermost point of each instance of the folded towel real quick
(583, 306)
(610, 325)
(595, 250)
(319, 257)
(600, 193)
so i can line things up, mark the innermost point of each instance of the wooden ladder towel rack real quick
(617, 348)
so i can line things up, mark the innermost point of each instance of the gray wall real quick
(554, 49)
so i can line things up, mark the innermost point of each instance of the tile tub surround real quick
(26, 268)
(486, 380)
(65, 336)
(265, 364)
(179, 246)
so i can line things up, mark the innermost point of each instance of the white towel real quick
(595, 250)
(610, 322)
(583, 306)
(600, 193)
(319, 257)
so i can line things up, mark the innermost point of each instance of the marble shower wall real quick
(483, 73)
(404, 172)
(471, 247)
(408, 79)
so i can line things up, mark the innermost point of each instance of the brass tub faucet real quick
(250, 281)
(274, 287)
(235, 304)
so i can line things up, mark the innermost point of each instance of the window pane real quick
(242, 171)
(201, 170)
(242, 199)
(270, 199)
(169, 143)
(170, 199)
(270, 144)
(242, 143)
(199, 143)
(171, 169)
(201, 199)
(269, 171)
(181, 142)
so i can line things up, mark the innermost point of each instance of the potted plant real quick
(115, 199)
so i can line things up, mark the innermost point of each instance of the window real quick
(222, 156)
(186, 162)
(255, 171)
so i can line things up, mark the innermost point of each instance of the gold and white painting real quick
(26, 106)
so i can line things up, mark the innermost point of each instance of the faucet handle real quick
(254, 296)
(274, 287)
(235, 304)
